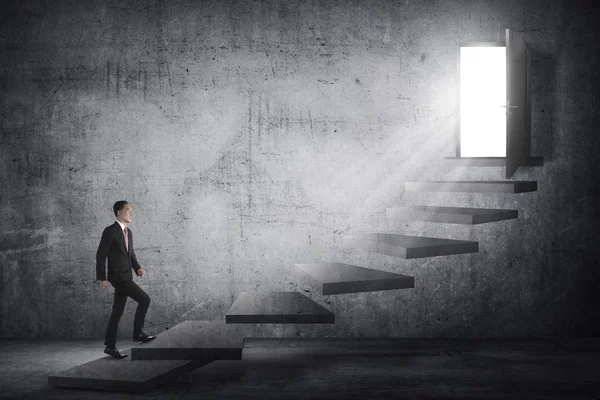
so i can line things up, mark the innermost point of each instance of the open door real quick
(517, 110)
(482, 93)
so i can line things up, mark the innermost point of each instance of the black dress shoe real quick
(143, 337)
(113, 351)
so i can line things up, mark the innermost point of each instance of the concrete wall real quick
(252, 135)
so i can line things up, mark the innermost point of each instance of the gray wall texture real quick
(252, 135)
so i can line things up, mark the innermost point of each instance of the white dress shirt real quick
(122, 226)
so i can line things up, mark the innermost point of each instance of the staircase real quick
(192, 344)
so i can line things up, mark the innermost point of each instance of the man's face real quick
(125, 213)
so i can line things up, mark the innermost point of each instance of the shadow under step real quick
(490, 161)
(194, 340)
(472, 186)
(277, 308)
(411, 246)
(339, 278)
(450, 215)
(111, 374)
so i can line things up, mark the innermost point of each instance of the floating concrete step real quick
(194, 340)
(490, 161)
(277, 308)
(338, 278)
(122, 375)
(472, 186)
(411, 246)
(451, 215)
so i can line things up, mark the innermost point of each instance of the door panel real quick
(517, 113)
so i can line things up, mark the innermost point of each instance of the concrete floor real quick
(334, 368)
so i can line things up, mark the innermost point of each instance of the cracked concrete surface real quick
(251, 136)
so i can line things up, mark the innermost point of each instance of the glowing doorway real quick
(483, 100)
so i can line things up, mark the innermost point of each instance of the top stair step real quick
(472, 186)
(490, 161)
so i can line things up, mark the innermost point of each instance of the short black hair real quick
(119, 205)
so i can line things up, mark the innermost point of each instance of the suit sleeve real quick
(102, 253)
(134, 262)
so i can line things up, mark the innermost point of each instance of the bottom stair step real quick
(338, 278)
(124, 375)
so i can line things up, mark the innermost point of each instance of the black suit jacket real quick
(120, 261)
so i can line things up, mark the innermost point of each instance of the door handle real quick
(510, 106)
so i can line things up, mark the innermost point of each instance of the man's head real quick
(123, 211)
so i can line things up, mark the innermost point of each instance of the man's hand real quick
(140, 272)
(103, 283)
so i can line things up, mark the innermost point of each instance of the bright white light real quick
(482, 95)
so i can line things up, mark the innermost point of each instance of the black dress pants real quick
(122, 291)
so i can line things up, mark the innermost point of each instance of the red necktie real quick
(126, 241)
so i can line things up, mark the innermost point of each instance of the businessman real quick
(117, 245)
